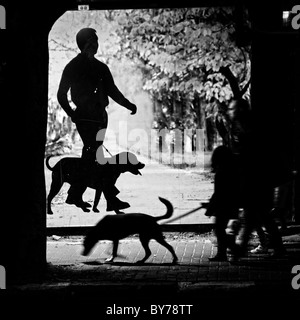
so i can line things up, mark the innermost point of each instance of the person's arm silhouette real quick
(115, 93)
(62, 96)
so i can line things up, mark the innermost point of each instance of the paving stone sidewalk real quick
(193, 265)
(75, 282)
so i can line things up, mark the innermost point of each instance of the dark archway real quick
(25, 97)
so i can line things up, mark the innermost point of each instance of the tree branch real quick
(232, 81)
(66, 48)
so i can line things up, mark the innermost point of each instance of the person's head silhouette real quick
(222, 158)
(87, 41)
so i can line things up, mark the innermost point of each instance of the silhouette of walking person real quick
(90, 83)
(224, 202)
(255, 169)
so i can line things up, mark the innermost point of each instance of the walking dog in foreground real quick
(116, 227)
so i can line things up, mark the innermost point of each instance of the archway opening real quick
(162, 60)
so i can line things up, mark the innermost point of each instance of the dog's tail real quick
(169, 209)
(47, 163)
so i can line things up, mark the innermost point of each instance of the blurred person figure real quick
(223, 204)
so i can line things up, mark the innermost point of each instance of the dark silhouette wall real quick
(274, 95)
(24, 100)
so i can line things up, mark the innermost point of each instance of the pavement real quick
(121, 287)
(73, 281)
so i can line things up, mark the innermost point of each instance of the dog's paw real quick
(119, 212)
(175, 261)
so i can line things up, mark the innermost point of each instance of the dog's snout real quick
(141, 165)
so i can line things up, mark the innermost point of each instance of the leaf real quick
(177, 28)
(224, 36)
(171, 48)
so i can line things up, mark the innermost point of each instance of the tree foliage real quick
(181, 52)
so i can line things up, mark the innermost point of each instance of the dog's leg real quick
(145, 243)
(114, 252)
(97, 199)
(75, 193)
(56, 184)
(162, 241)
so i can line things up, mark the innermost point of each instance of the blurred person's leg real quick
(220, 232)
